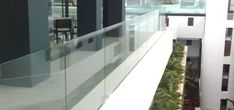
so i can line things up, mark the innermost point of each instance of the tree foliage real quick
(167, 96)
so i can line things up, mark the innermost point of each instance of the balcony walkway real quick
(84, 76)
(136, 92)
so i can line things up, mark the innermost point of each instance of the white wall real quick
(194, 49)
(213, 54)
(179, 25)
(231, 61)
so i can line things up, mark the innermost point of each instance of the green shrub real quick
(167, 96)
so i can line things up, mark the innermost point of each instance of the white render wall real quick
(179, 25)
(213, 54)
(194, 49)
(230, 60)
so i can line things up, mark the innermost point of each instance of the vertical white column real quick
(213, 54)
(230, 24)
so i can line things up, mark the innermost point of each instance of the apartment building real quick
(209, 39)
(216, 64)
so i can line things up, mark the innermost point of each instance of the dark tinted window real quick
(90, 40)
(189, 42)
(223, 104)
(190, 21)
(79, 45)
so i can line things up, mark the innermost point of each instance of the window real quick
(90, 40)
(188, 59)
(230, 10)
(167, 21)
(229, 32)
(79, 45)
(230, 5)
(227, 48)
(226, 70)
(190, 21)
(223, 104)
(189, 42)
(224, 85)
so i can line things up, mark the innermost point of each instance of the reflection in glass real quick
(34, 82)
(230, 13)
(62, 9)
(77, 74)
(85, 72)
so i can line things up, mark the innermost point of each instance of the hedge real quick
(167, 96)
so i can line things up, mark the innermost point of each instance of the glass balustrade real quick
(34, 82)
(79, 74)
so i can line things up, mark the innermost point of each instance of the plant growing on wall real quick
(167, 96)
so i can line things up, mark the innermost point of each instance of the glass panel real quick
(189, 42)
(85, 72)
(229, 32)
(151, 31)
(226, 69)
(34, 82)
(227, 49)
(62, 20)
(124, 43)
(223, 104)
(231, 5)
(156, 21)
(116, 49)
(161, 20)
(190, 21)
(143, 34)
(76, 74)
(230, 16)
(72, 4)
(56, 10)
(225, 78)
(72, 11)
(151, 23)
(133, 43)
(230, 10)
(224, 84)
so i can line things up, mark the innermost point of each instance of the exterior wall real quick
(213, 55)
(230, 93)
(179, 24)
(194, 49)
(230, 60)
